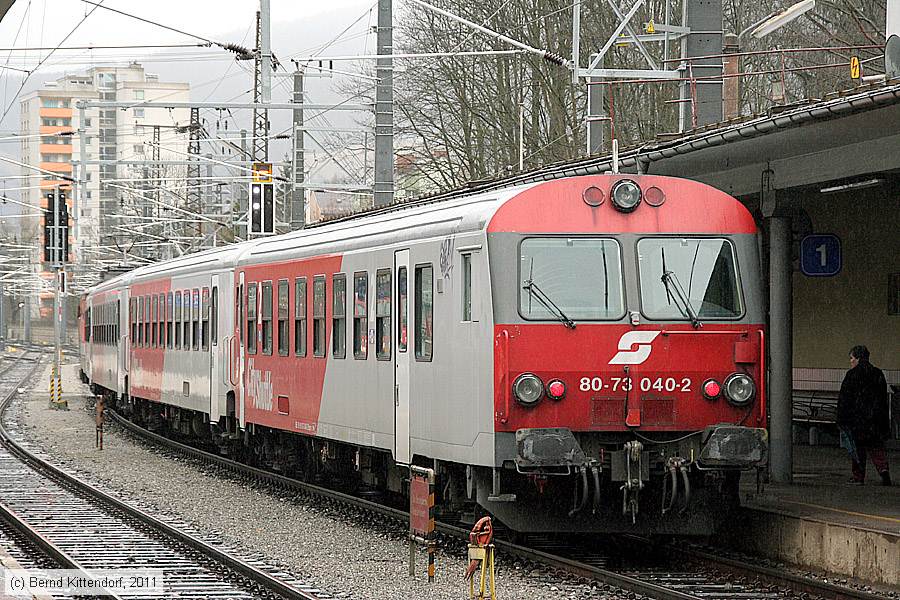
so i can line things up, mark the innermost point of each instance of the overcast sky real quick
(299, 28)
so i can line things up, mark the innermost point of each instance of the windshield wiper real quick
(673, 288)
(549, 304)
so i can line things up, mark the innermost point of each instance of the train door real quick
(401, 358)
(239, 335)
(216, 379)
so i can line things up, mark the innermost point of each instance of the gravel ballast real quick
(322, 544)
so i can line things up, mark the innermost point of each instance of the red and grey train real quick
(582, 354)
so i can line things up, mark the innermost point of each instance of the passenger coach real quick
(581, 354)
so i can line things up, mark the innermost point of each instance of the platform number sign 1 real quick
(820, 255)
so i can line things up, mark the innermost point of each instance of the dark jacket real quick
(863, 404)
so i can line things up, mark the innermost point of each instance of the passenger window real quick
(284, 307)
(162, 320)
(424, 312)
(300, 316)
(360, 316)
(133, 317)
(154, 320)
(177, 320)
(215, 316)
(169, 318)
(466, 260)
(140, 321)
(147, 321)
(267, 318)
(195, 313)
(186, 320)
(402, 306)
(251, 318)
(383, 314)
(204, 319)
(319, 316)
(339, 316)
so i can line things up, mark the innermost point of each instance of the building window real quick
(424, 312)
(383, 314)
(300, 316)
(138, 148)
(402, 310)
(138, 94)
(319, 316)
(466, 287)
(139, 113)
(204, 320)
(177, 320)
(360, 315)
(284, 338)
(339, 316)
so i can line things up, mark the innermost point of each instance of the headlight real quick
(626, 195)
(528, 388)
(739, 389)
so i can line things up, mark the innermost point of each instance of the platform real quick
(822, 522)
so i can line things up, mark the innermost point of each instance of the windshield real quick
(704, 267)
(581, 276)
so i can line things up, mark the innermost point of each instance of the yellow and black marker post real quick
(56, 399)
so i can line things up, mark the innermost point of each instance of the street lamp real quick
(759, 30)
(778, 19)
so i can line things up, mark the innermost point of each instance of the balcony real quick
(55, 148)
(56, 167)
(49, 184)
(55, 113)
(51, 129)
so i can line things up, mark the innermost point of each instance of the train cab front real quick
(629, 388)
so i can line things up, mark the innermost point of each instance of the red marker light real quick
(655, 196)
(592, 196)
(711, 389)
(556, 389)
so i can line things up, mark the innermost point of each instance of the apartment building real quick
(119, 145)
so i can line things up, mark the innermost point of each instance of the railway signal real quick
(262, 200)
(56, 228)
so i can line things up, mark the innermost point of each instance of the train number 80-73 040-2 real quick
(644, 384)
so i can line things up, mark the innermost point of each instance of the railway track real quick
(75, 525)
(686, 574)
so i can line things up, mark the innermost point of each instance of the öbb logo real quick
(259, 388)
(628, 356)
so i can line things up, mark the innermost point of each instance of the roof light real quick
(592, 196)
(626, 195)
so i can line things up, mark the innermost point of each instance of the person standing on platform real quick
(862, 415)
